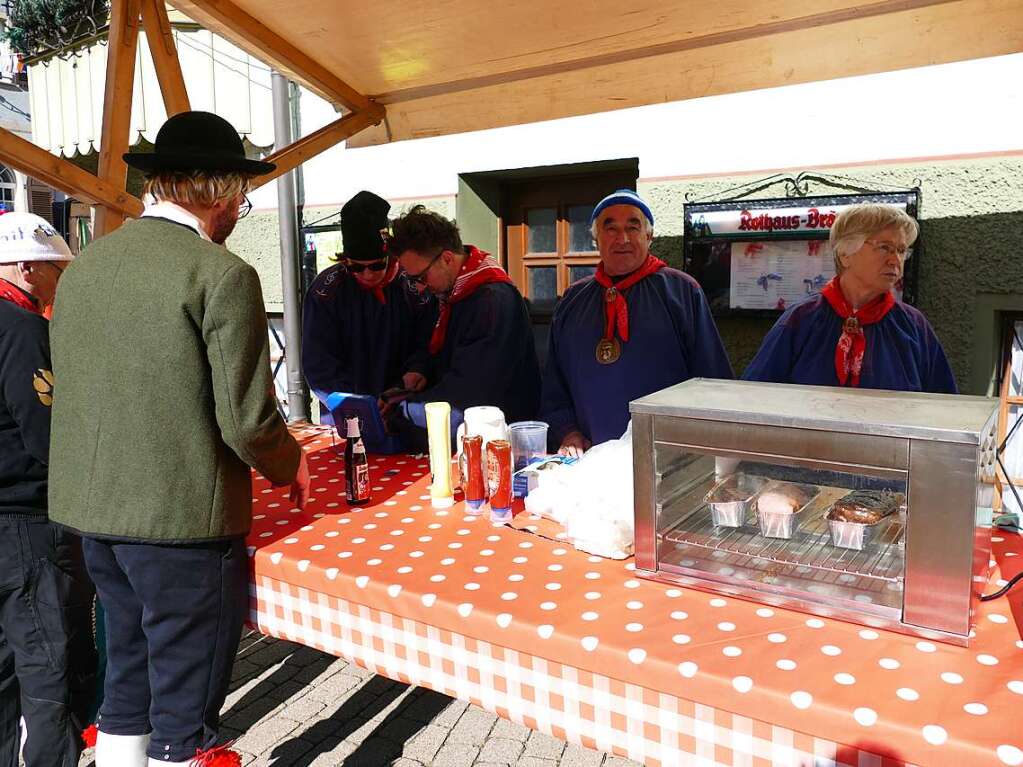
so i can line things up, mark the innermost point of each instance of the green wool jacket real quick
(163, 396)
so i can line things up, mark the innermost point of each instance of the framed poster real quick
(761, 256)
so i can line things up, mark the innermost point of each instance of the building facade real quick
(525, 192)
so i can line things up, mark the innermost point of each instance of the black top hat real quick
(363, 220)
(191, 141)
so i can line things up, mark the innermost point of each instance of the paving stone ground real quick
(291, 706)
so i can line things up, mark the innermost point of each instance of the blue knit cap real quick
(622, 197)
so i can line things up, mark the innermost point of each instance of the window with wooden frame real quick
(547, 231)
(1010, 395)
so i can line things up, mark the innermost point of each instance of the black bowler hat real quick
(191, 141)
(363, 222)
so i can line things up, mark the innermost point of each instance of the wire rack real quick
(883, 558)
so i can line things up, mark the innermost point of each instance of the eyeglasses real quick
(360, 266)
(420, 279)
(245, 208)
(60, 266)
(890, 250)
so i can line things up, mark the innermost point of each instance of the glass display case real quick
(860, 504)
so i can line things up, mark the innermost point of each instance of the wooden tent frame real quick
(107, 189)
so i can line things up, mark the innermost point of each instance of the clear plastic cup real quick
(528, 442)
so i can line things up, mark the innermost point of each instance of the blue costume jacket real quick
(488, 358)
(672, 338)
(902, 353)
(352, 343)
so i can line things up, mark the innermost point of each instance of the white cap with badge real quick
(27, 237)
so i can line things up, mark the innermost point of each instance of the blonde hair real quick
(196, 187)
(853, 226)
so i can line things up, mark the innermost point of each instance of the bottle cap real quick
(352, 426)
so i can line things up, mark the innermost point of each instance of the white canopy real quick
(67, 92)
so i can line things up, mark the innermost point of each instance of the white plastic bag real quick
(592, 498)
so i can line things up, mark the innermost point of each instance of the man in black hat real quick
(365, 327)
(165, 402)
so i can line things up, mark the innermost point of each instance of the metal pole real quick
(298, 394)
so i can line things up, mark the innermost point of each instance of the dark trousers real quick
(45, 606)
(173, 617)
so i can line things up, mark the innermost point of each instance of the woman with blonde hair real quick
(855, 332)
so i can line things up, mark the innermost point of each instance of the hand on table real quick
(574, 444)
(413, 381)
(299, 492)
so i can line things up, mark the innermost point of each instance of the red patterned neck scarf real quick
(11, 292)
(378, 289)
(479, 268)
(852, 344)
(616, 310)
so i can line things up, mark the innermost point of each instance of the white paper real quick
(775, 275)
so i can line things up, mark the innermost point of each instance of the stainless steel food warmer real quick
(739, 489)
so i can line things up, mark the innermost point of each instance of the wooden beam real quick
(290, 157)
(854, 44)
(117, 98)
(160, 37)
(36, 162)
(226, 18)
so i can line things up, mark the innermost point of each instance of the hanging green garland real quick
(36, 26)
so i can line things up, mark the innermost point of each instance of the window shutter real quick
(40, 200)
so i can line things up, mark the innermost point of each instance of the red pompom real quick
(221, 756)
(89, 735)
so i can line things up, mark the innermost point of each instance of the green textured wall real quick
(972, 230)
(479, 203)
(971, 268)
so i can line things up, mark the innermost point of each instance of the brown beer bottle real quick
(356, 466)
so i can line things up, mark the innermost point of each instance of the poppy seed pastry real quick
(865, 507)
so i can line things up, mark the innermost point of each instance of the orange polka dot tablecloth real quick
(576, 646)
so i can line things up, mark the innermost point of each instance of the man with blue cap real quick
(634, 327)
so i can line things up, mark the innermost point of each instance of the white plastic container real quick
(784, 525)
(733, 512)
(851, 535)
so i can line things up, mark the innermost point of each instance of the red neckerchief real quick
(479, 268)
(378, 289)
(616, 310)
(11, 292)
(852, 344)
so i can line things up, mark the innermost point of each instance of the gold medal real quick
(608, 351)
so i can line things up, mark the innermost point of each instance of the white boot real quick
(121, 750)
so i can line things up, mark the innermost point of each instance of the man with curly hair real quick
(481, 349)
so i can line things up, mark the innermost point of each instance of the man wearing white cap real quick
(37, 560)
(33, 257)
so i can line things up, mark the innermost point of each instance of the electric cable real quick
(1004, 589)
